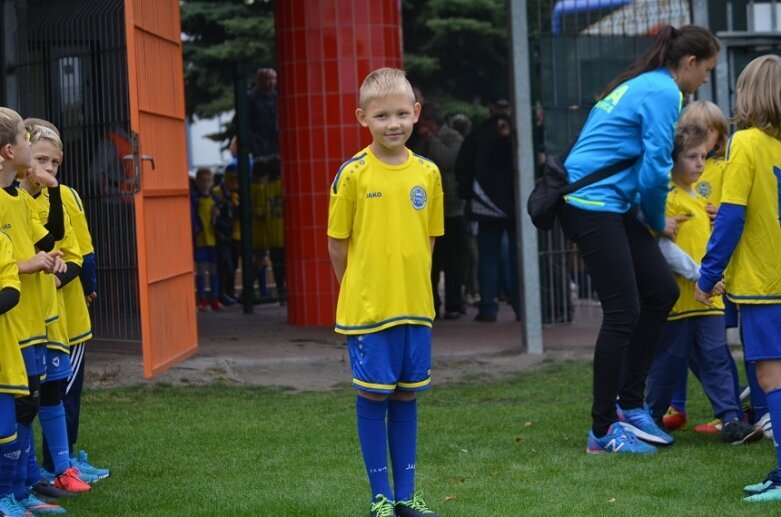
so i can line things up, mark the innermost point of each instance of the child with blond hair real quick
(746, 239)
(386, 209)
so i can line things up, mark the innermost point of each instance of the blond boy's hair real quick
(9, 125)
(706, 114)
(688, 136)
(40, 129)
(758, 96)
(383, 82)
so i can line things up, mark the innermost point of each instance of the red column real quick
(324, 50)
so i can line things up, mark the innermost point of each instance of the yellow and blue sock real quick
(52, 420)
(373, 436)
(402, 441)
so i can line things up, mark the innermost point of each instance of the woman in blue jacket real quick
(612, 221)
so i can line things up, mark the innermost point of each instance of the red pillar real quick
(324, 50)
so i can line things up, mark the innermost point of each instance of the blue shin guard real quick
(55, 431)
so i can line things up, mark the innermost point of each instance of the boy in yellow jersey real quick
(694, 330)
(386, 209)
(746, 240)
(19, 220)
(75, 295)
(13, 376)
(46, 148)
(204, 209)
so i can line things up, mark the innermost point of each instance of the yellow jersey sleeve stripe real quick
(374, 386)
(81, 337)
(413, 385)
(32, 340)
(76, 199)
(344, 165)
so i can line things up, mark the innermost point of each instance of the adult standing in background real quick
(486, 178)
(440, 143)
(263, 123)
(635, 116)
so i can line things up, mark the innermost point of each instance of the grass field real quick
(511, 448)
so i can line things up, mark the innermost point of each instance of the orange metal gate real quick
(157, 119)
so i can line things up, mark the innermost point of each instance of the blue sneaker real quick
(757, 488)
(771, 492)
(88, 471)
(640, 422)
(38, 507)
(10, 507)
(617, 440)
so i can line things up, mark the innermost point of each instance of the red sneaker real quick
(203, 306)
(712, 427)
(216, 305)
(674, 419)
(70, 481)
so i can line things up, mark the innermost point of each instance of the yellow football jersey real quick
(19, 220)
(57, 330)
(752, 180)
(13, 376)
(388, 213)
(692, 238)
(206, 237)
(269, 222)
(77, 313)
(711, 180)
(72, 203)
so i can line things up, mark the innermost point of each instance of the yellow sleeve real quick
(73, 205)
(436, 226)
(69, 245)
(39, 231)
(739, 174)
(9, 273)
(341, 208)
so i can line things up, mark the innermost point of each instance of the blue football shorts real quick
(35, 359)
(58, 365)
(761, 325)
(205, 254)
(397, 358)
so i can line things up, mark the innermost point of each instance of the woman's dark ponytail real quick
(669, 47)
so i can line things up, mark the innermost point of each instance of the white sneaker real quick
(766, 425)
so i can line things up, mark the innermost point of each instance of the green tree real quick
(457, 51)
(217, 34)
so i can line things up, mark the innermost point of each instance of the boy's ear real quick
(361, 116)
(7, 152)
(416, 111)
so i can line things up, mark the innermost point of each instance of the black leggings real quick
(637, 290)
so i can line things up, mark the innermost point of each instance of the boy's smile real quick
(390, 119)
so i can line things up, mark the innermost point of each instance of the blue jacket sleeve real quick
(725, 237)
(659, 113)
(88, 275)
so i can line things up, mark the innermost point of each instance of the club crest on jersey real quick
(418, 198)
(704, 189)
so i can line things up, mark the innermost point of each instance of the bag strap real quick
(601, 174)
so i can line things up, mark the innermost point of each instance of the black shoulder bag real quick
(544, 201)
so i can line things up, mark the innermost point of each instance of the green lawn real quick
(511, 448)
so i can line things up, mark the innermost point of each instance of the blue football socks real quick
(9, 444)
(373, 436)
(24, 434)
(52, 420)
(33, 469)
(402, 441)
(200, 286)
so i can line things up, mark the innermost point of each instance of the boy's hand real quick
(673, 224)
(41, 261)
(37, 175)
(712, 211)
(59, 265)
(705, 298)
(90, 297)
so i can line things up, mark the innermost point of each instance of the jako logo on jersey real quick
(372, 195)
(418, 198)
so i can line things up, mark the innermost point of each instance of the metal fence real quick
(72, 70)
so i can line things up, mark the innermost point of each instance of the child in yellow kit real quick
(386, 209)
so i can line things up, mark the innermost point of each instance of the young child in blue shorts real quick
(386, 209)
(746, 239)
(204, 212)
(694, 331)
